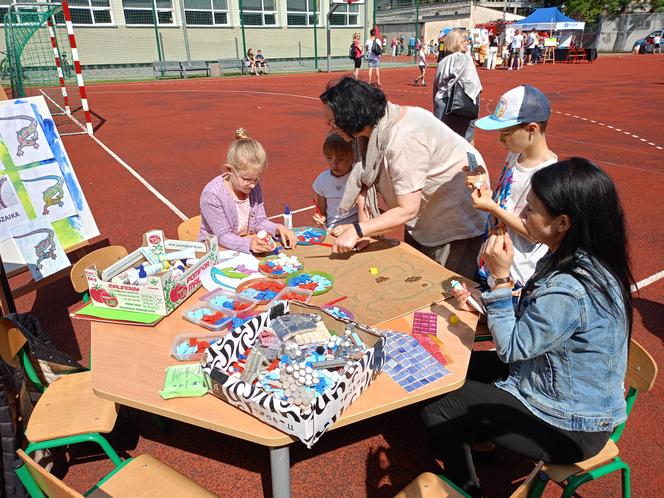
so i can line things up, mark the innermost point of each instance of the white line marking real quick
(292, 212)
(649, 280)
(131, 170)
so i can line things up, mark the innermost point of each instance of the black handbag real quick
(460, 104)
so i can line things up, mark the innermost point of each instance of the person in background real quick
(493, 52)
(374, 50)
(456, 66)
(422, 65)
(656, 42)
(395, 46)
(411, 44)
(261, 62)
(331, 183)
(231, 204)
(250, 61)
(552, 389)
(357, 59)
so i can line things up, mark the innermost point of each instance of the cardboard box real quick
(274, 411)
(162, 293)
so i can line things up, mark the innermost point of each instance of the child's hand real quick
(319, 219)
(483, 199)
(336, 231)
(258, 246)
(287, 236)
(474, 178)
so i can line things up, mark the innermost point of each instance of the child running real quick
(232, 203)
(330, 184)
(422, 63)
(521, 117)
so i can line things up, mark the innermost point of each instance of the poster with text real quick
(40, 247)
(48, 191)
(11, 209)
(23, 135)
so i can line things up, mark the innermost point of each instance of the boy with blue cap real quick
(521, 117)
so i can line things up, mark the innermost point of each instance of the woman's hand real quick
(336, 231)
(287, 236)
(319, 219)
(346, 240)
(498, 255)
(258, 246)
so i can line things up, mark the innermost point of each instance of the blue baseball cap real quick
(523, 104)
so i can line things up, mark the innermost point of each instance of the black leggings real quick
(479, 411)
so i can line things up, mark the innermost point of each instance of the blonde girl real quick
(358, 55)
(232, 203)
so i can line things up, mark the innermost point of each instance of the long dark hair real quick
(585, 193)
(355, 104)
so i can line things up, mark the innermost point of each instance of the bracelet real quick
(358, 229)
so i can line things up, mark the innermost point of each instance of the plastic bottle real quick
(142, 276)
(265, 237)
(288, 218)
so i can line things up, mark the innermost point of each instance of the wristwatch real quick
(358, 229)
(493, 282)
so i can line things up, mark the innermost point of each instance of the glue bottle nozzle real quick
(286, 209)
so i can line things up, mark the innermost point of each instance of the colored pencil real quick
(335, 301)
(317, 208)
(324, 244)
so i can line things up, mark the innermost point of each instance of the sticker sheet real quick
(11, 209)
(40, 248)
(23, 135)
(233, 269)
(48, 191)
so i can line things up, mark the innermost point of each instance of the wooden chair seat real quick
(429, 485)
(189, 229)
(147, 477)
(69, 407)
(101, 258)
(560, 473)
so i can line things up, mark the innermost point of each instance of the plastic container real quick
(291, 280)
(199, 337)
(264, 262)
(306, 235)
(216, 298)
(221, 323)
(304, 295)
(273, 285)
(339, 311)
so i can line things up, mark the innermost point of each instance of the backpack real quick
(376, 49)
(351, 51)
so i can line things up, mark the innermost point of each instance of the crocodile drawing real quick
(3, 180)
(53, 194)
(45, 248)
(27, 136)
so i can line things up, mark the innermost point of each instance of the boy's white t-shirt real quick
(526, 252)
(517, 41)
(422, 57)
(332, 188)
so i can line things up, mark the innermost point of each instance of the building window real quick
(139, 12)
(302, 12)
(259, 12)
(206, 12)
(346, 15)
(87, 13)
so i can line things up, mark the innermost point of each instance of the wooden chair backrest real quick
(11, 342)
(189, 229)
(101, 258)
(47, 482)
(641, 368)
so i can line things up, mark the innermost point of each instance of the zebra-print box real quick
(275, 411)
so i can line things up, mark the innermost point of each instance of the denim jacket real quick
(567, 355)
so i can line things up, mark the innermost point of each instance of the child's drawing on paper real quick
(23, 135)
(48, 192)
(40, 248)
(11, 209)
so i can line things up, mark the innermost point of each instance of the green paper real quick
(111, 314)
(184, 381)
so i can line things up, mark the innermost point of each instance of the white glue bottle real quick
(265, 237)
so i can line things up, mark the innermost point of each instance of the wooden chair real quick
(101, 258)
(68, 411)
(189, 229)
(640, 377)
(142, 476)
(428, 485)
(549, 55)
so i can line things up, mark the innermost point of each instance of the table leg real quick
(280, 470)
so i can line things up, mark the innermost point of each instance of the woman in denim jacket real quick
(553, 388)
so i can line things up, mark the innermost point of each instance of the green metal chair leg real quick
(27, 481)
(93, 437)
(539, 485)
(626, 478)
(576, 481)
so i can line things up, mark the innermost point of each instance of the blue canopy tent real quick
(551, 19)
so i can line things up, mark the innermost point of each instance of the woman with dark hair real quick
(415, 163)
(553, 388)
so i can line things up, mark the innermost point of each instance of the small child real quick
(422, 63)
(232, 203)
(261, 62)
(330, 184)
(521, 117)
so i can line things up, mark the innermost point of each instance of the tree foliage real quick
(591, 10)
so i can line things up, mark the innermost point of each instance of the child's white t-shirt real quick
(422, 58)
(515, 189)
(517, 41)
(332, 188)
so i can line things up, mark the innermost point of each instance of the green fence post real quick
(244, 39)
(373, 13)
(156, 30)
(316, 35)
(417, 23)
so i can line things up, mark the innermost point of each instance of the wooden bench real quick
(232, 64)
(191, 66)
(162, 67)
